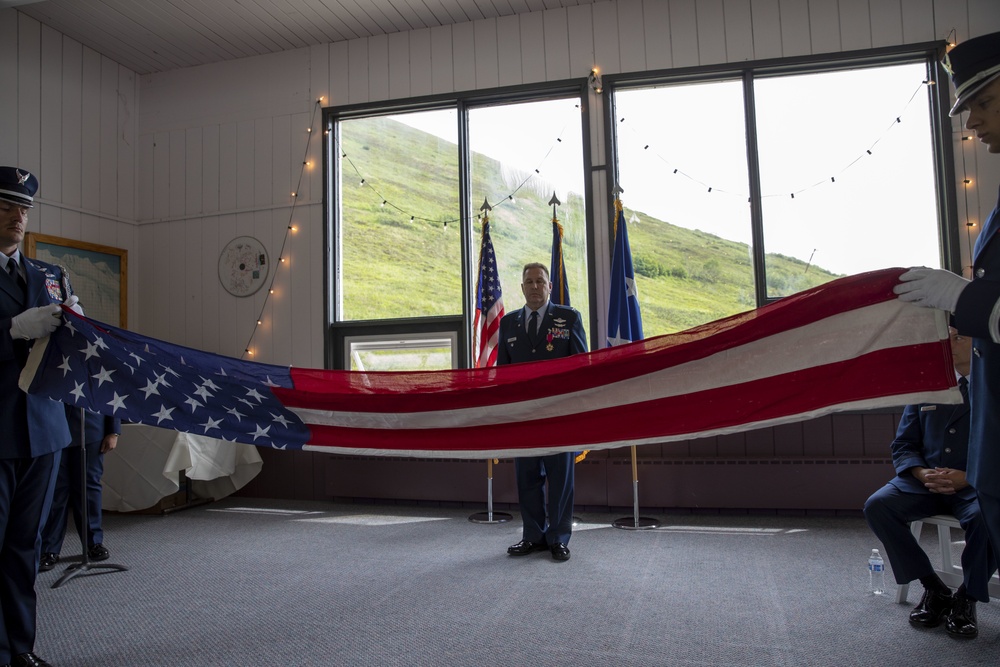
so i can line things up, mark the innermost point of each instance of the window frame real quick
(929, 53)
(459, 324)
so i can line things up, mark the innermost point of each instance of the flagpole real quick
(84, 565)
(635, 522)
(624, 326)
(489, 516)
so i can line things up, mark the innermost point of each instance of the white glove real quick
(73, 304)
(36, 322)
(930, 288)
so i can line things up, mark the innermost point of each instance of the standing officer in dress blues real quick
(930, 456)
(542, 330)
(32, 429)
(975, 305)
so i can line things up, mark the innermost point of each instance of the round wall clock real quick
(243, 266)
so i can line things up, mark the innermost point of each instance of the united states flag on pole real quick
(846, 345)
(489, 303)
(624, 316)
(557, 268)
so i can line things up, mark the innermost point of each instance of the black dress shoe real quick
(98, 552)
(28, 660)
(525, 547)
(559, 551)
(48, 562)
(961, 622)
(932, 608)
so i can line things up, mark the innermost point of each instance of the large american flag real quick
(846, 345)
(489, 303)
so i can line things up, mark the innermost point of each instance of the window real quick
(406, 187)
(756, 184)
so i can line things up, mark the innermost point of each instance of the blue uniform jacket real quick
(32, 425)
(931, 436)
(561, 329)
(971, 318)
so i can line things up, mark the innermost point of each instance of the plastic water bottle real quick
(876, 573)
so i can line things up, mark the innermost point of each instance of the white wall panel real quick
(509, 50)
(399, 65)
(487, 61)
(739, 30)
(918, 21)
(357, 67)
(794, 28)
(339, 69)
(51, 113)
(90, 117)
(125, 137)
(194, 172)
(824, 26)
(766, 19)
(711, 32)
(580, 35)
(855, 25)
(684, 33)
(420, 62)
(607, 56)
(8, 81)
(177, 170)
(109, 137)
(887, 22)
(557, 67)
(29, 96)
(464, 69)
(442, 72)
(378, 67)
(532, 47)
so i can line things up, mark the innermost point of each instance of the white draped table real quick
(145, 467)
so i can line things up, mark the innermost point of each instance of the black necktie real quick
(963, 386)
(15, 275)
(533, 324)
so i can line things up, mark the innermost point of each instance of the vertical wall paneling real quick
(824, 26)
(90, 116)
(580, 35)
(711, 33)
(357, 67)
(227, 302)
(208, 139)
(147, 158)
(109, 137)
(887, 22)
(948, 16)
(194, 259)
(739, 30)
(509, 50)
(263, 169)
(244, 165)
(339, 69)
(484, 33)
(126, 136)
(51, 113)
(463, 37)
(795, 38)
(532, 47)
(557, 67)
(399, 65)
(684, 33)
(631, 36)
(8, 81)
(161, 175)
(982, 15)
(28, 98)
(607, 57)
(419, 79)
(378, 67)
(177, 175)
(442, 57)
(194, 172)
(918, 21)
(855, 25)
(766, 19)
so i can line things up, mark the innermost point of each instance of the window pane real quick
(434, 352)
(392, 169)
(683, 168)
(531, 151)
(852, 211)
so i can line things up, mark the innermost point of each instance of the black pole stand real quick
(635, 522)
(489, 516)
(84, 566)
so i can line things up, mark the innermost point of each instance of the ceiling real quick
(150, 36)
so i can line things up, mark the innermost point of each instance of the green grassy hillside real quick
(395, 268)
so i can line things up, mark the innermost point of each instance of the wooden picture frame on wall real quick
(97, 273)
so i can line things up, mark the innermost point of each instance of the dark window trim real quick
(943, 154)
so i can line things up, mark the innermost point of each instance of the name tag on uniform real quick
(512, 340)
(927, 408)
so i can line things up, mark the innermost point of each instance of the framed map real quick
(98, 274)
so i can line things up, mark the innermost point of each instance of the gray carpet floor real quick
(252, 582)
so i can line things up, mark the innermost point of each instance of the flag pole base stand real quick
(635, 523)
(84, 568)
(490, 517)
